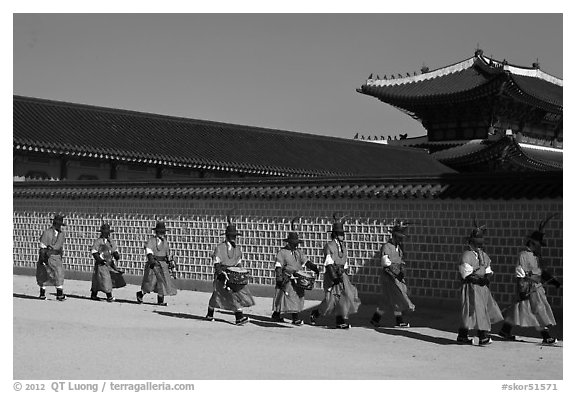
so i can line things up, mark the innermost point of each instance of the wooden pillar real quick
(113, 170)
(63, 168)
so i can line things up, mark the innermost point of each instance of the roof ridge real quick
(446, 70)
(523, 71)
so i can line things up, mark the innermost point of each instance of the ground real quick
(84, 339)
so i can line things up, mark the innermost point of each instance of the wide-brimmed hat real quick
(538, 235)
(293, 238)
(293, 235)
(399, 230)
(477, 234)
(59, 218)
(231, 228)
(160, 226)
(106, 228)
(338, 225)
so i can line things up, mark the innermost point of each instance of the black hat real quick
(338, 225)
(293, 238)
(538, 236)
(231, 228)
(477, 234)
(160, 226)
(58, 218)
(293, 235)
(399, 229)
(106, 228)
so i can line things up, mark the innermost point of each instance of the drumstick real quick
(226, 282)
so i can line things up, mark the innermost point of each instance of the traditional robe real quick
(479, 310)
(231, 297)
(340, 299)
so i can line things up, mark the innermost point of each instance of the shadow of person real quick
(416, 335)
(184, 315)
(24, 296)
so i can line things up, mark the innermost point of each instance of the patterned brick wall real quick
(195, 226)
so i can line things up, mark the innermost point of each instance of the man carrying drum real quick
(157, 277)
(106, 275)
(394, 288)
(340, 296)
(230, 280)
(478, 310)
(291, 279)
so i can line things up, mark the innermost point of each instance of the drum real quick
(237, 275)
(304, 279)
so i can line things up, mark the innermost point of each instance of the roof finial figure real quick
(536, 65)
(478, 51)
(424, 68)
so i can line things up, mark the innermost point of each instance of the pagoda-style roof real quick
(505, 154)
(80, 131)
(473, 78)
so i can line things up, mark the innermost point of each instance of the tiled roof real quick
(477, 186)
(80, 130)
(504, 151)
(475, 77)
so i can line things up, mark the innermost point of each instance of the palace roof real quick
(478, 76)
(82, 131)
(504, 154)
(478, 186)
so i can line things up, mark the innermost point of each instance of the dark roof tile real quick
(76, 129)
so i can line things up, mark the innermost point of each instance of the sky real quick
(296, 72)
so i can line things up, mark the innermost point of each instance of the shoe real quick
(506, 336)
(549, 341)
(163, 304)
(42, 295)
(375, 323)
(139, 297)
(209, 318)
(111, 299)
(343, 326)
(464, 340)
(484, 341)
(298, 322)
(277, 318)
(313, 317)
(402, 325)
(92, 297)
(61, 297)
(242, 321)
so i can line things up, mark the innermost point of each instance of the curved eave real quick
(505, 148)
(138, 158)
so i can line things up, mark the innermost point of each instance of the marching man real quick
(157, 273)
(479, 309)
(532, 308)
(225, 295)
(340, 296)
(106, 275)
(49, 269)
(394, 287)
(289, 297)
